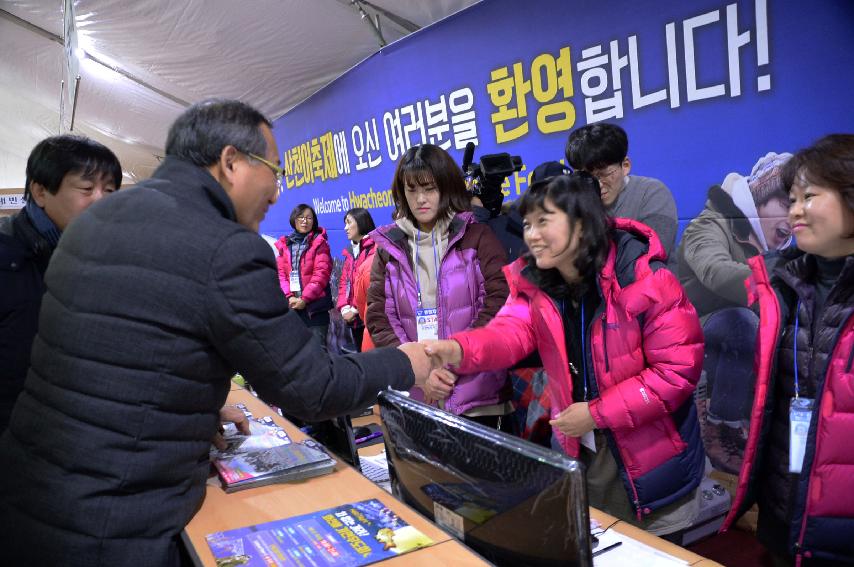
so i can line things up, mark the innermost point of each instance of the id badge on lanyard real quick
(428, 323)
(295, 282)
(426, 320)
(800, 415)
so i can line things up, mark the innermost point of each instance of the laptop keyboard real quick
(372, 472)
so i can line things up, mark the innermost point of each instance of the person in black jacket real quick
(65, 174)
(155, 297)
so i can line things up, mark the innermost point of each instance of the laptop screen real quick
(513, 502)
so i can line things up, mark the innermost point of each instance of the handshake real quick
(429, 360)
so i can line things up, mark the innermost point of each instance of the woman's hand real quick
(296, 303)
(349, 313)
(443, 353)
(439, 385)
(575, 420)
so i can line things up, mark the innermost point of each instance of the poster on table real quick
(350, 535)
(703, 88)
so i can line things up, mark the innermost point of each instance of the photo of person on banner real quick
(437, 272)
(743, 217)
(620, 342)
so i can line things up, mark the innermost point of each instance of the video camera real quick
(484, 179)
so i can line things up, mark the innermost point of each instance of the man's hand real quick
(439, 385)
(233, 415)
(421, 363)
(444, 353)
(296, 302)
(575, 420)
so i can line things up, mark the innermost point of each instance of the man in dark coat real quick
(65, 174)
(155, 297)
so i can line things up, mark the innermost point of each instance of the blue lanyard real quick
(583, 345)
(583, 350)
(435, 261)
(795, 342)
(299, 250)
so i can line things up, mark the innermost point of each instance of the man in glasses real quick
(153, 301)
(603, 150)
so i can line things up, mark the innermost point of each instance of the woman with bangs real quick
(620, 342)
(437, 272)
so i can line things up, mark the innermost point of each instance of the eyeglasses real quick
(602, 174)
(305, 219)
(278, 171)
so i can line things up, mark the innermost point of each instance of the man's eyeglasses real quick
(602, 174)
(278, 171)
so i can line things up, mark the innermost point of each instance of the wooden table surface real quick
(222, 511)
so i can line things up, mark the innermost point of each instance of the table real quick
(221, 511)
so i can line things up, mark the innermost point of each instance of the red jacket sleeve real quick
(283, 264)
(673, 350)
(504, 341)
(347, 277)
(361, 281)
(320, 272)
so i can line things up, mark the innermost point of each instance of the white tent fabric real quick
(272, 54)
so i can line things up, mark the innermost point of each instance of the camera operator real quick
(483, 181)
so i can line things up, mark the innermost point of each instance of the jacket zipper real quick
(816, 439)
(622, 461)
(605, 344)
(450, 403)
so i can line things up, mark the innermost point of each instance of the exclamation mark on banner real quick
(763, 82)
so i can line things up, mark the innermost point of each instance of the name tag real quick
(295, 282)
(800, 415)
(589, 440)
(427, 321)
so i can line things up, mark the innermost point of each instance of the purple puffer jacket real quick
(471, 290)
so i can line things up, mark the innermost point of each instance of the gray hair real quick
(203, 130)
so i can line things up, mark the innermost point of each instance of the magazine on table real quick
(264, 433)
(266, 455)
(354, 534)
(284, 463)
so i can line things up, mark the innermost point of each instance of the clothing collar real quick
(195, 182)
(801, 271)
(412, 231)
(297, 237)
(42, 223)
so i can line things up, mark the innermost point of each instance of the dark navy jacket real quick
(24, 255)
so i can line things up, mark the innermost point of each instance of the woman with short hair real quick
(305, 265)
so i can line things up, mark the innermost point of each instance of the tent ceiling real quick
(270, 53)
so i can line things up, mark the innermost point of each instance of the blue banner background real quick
(690, 148)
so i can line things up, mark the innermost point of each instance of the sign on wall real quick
(703, 88)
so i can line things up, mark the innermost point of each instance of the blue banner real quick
(703, 88)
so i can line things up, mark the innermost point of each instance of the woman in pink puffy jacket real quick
(621, 345)
(305, 265)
